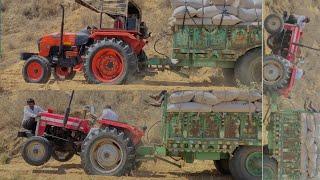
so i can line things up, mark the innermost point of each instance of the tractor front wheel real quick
(110, 62)
(248, 68)
(37, 151)
(36, 70)
(247, 163)
(106, 152)
(63, 73)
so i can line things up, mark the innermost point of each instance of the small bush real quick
(4, 158)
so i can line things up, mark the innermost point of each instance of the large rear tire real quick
(36, 151)
(110, 62)
(248, 68)
(106, 152)
(247, 163)
(270, 168)
(276, 73)
(36, 70)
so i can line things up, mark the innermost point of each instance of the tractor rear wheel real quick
(248, 68)
(62, 156)
(273, 24)
(63, 73)
(276, 73)
(36, 70)
(222, 166)
(106, 152)
(247, 163)
(270, 168)
(110, 61)
(36, 151)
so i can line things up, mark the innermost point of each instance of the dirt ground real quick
(18, 169)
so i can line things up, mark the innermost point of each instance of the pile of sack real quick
(216, 12)
(227, 101)
(310, 146)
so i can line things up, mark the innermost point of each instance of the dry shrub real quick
(4, 158)
(41, 9)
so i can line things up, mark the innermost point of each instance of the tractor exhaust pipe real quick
(67, 113)
(61, 34)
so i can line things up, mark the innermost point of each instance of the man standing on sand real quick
(109, 114)
(31, 111)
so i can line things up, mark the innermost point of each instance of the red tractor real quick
(109, 149)
(281, 68)
(106, 56)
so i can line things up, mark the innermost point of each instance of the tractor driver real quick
(109, 114)
(31, 111)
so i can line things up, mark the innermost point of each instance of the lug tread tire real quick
(129, 57)
(48, 151)
(46, 70)
(243, 66)
(284, 81)
(238, 163)
(124, 169)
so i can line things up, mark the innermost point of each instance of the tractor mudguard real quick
(136, 134)
(25, 55)
(24, 134)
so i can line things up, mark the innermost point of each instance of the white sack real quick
(258, 106)
(228, 20)
(227, 95)
(221, 2)
(181, 97)
(191, 22)
(249, 4)
(230, 9)
(188, 107)
(250, 15)
(234, 107)
(209, 11)
(193, 3)
(206, 98)
(181, 12)
(250, 96)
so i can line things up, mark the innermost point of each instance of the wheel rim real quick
(35, 71)
(256, 70)
(106, 155)
(36, 151)
(269, 173)
(254, 164)
(108, 65)
(63, 72)
(273, 23)
(272, 72)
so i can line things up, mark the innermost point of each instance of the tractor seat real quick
(82, 38)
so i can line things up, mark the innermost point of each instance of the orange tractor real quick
(106, 56)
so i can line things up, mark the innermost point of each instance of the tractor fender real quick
(128, 37)
(135, 133)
